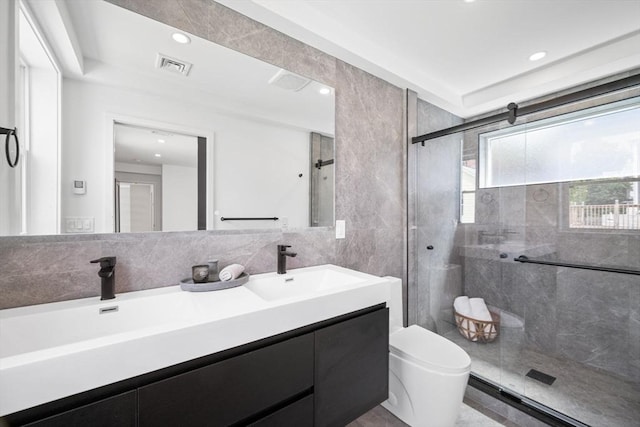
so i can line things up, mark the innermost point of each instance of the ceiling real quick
(148, 146)
(99, 42)
(469, 57)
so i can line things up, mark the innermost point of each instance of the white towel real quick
(462, 306)
(479, 311)
(231, 272)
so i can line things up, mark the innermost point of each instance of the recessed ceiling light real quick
(537, 56)
(325, 91)
(469, 1)
(158, 155)
(181, 38)
(161, 141)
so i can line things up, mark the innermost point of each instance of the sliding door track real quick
(530, 407)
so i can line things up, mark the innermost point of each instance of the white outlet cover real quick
(341, 227)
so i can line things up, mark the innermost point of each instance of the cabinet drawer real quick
(298, 414)
(351, 368)
(114, 411)
(231, 390)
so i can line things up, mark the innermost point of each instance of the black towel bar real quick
(273, 218)
(527, 260)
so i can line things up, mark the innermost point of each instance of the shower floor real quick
(586, 394)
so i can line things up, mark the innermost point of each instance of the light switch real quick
(340, 229)
(75, 224)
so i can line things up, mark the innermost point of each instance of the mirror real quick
(259, 139)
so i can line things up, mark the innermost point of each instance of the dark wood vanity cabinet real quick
(233, 390)
(118, 411)
(351, 368)
(322, 375)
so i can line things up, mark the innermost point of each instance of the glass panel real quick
(601, 142)
(568, 338)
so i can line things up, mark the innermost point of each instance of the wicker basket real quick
(478, 330)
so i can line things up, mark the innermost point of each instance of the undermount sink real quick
(304, 282)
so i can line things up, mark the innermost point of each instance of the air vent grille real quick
(289, 81)
(172, 65)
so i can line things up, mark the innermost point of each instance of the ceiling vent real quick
(289, 81)
(172, 65)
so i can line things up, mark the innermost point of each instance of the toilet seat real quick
(429, 350)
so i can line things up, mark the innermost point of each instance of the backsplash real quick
(369, 185)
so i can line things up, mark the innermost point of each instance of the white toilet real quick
(427, 373)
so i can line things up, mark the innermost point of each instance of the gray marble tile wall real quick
(369, 185)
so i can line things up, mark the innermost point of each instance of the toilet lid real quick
(428, 349)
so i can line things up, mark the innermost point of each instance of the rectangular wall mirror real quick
(131, 125)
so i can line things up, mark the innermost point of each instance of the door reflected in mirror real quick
(258, 122)
(135, 207)
(164, 168)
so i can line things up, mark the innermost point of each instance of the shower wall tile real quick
(541, 204)
(594, 315)
(483, 279)
(369, 185)
(634, 333)
(603, 248)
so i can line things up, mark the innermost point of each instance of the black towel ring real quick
(12, 163)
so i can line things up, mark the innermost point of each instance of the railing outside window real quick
(612, 216)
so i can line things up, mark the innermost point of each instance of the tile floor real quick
(587, 394)
(470, 416)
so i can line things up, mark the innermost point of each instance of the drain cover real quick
(541, 376)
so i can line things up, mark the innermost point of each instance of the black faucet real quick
(283, 253)
(107, 274)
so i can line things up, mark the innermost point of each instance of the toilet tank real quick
(396, 317)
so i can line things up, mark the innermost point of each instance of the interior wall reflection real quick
(258, 124)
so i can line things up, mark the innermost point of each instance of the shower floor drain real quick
(541, 376)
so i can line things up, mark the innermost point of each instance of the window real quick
(468, 191)
(596, 143)
(613, 204)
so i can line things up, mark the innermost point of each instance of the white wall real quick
(258, 168)
(251, 175)
(180, 198)
(8, 53)
(42, 202)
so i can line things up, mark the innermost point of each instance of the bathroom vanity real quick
(306, 348)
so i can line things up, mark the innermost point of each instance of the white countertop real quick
(55, 350)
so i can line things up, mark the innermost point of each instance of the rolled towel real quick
(462, 306)
(479, 311)
(231, 272)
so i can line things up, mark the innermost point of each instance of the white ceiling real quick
(102, 43)
(98, 42)
(466, 57)
(138, 145)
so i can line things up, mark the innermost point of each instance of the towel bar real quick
(527, 260)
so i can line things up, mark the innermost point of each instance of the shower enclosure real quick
(541, 218)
